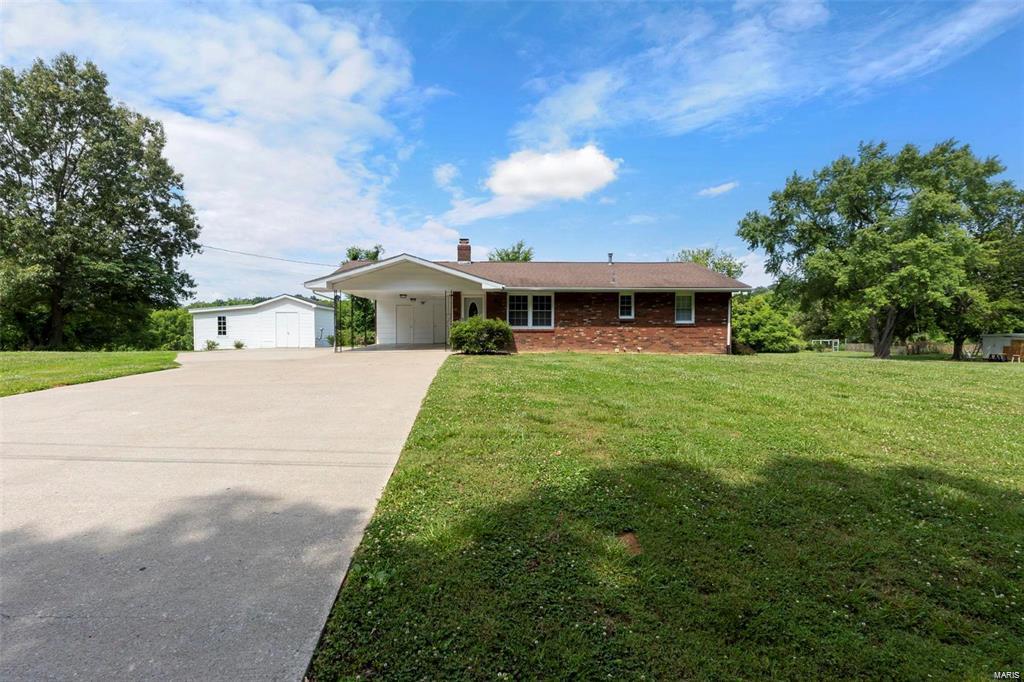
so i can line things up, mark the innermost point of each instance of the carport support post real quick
(336, 339)
(352, 321)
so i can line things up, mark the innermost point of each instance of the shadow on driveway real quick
(176, 599)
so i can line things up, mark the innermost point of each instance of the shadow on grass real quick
(809, 569)
(227, 586)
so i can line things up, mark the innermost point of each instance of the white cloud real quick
(935, 43)
(574, 107)
(699, 70)
(445, 174)
(528, 178)
(640, 219)
(717, 190)
(280, 119)
(798, 15)
(568, 174)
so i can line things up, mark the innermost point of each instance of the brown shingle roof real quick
(560, 275)
(592, 275)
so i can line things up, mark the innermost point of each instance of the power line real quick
(260, 255)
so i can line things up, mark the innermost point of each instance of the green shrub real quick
(239, 344)
(211, 344)
(330, 340)
(170, 330)
(758, 323)
(477, 335)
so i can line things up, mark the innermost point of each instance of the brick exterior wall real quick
(589, 321)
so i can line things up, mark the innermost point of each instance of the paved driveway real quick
(194, 523)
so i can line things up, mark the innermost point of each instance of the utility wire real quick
(260, 255)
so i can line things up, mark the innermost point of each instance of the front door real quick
(403, 324)
(472, 306)
(287, 330)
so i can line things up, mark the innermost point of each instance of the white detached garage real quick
(281, 322)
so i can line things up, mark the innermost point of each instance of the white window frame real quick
(529, 309)
(632, 305)
(225, 332)
(693, 307)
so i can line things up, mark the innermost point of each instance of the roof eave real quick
(327, 283)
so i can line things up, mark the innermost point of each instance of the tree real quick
(94, 219)
(357, 315)
(758, 322)
(517, 253)
(170, 329)
(359, 253)
(713, 259)
(880, 240)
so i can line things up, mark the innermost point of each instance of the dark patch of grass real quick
(21, 372)
(805, 516)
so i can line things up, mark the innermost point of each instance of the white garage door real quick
(287, 330)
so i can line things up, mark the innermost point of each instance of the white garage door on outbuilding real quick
(280, 322)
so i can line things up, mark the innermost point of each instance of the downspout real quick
(728, 327)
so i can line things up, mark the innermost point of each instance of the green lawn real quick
(34, 371)
(800, 516)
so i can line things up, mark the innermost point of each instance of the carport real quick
(415, 300)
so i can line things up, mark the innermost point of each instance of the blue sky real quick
(581, 128)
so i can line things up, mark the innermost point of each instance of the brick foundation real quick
(588, 321)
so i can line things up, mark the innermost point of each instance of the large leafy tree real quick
(880, 241)
(94, 219)
(517, 253)
(713, 259)
(356, 317)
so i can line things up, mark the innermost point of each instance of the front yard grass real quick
(21, 372)
(598, 516)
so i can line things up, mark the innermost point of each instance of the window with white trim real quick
(531, 311)
(626, 305)
(222, 325)
(684, 307)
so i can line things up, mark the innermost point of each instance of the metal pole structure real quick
(364, 327)
(447, 320)
(352, 321)
(375, 339)
(336, 339)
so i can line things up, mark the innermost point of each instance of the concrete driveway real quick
(194, 523)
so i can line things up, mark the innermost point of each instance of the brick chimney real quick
(465, 251)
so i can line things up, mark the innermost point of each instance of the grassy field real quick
(584, 516)
(34, 371)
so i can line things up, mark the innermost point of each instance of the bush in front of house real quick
(477, 335)
(239, 344)
(759, 323)
(211, 344)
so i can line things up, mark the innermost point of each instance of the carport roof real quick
(567, 275)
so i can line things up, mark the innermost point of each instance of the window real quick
(519, 311)
(222, 325)
(684, 308)
(531, 310)
(626, 306)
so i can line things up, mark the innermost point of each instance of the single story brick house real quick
(665, 307)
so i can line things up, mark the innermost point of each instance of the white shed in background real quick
(1000, 344)
(281, 322)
